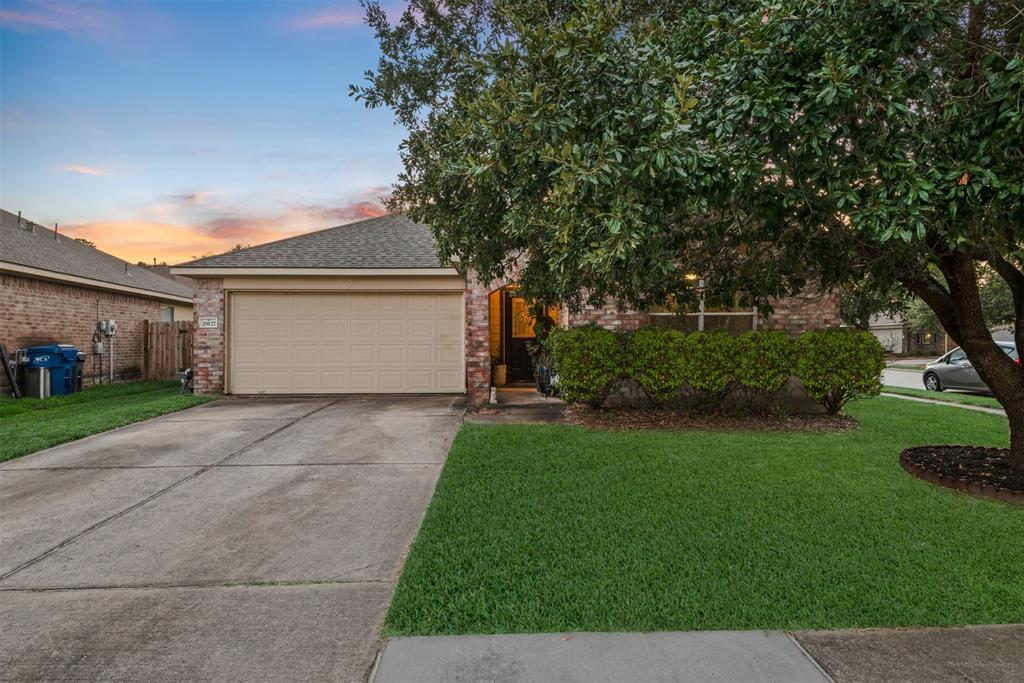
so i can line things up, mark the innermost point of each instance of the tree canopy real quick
(593, 149)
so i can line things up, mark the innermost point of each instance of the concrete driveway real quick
(246, 539)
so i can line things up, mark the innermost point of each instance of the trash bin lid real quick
(55, 352)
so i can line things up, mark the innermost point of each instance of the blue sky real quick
(171, 129)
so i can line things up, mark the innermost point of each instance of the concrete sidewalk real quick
(728, 656)
(990, 654)
(951, 404)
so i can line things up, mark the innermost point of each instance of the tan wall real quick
(35, 312)
(182, 312)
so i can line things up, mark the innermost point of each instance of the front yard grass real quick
(31, 424)
(554, 528)
(946, 396)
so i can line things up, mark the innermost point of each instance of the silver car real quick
(954, 370)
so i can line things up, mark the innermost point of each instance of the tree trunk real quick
(958, 307)
(1015, 413)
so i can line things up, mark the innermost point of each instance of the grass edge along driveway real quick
(946, 396)
(28, 425)
(549, 528)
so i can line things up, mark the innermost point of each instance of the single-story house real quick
(897, 338)
(368, 308)
(55, 289)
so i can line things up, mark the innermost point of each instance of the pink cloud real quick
(195, 198)
(176, 241)
(82, 169)
(330, 18)
(56, 16)
(342, 17)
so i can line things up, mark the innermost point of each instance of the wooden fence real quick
(166, 348)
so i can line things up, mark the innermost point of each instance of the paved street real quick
(909, 379)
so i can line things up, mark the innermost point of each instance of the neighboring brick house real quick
(368, 308)
(54, 289)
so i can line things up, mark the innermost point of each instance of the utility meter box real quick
(108, 327)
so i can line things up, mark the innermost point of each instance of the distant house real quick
(370, 308)
(54, 289)
(897, 338)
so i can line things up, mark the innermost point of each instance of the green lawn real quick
(554, 528)
(31, 424)
(945, 396)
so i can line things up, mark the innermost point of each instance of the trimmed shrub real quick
(838, 366)
(655, 361)
(766, 359)
(589, 362)
(709, 365)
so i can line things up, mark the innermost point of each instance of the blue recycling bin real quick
(60, 361)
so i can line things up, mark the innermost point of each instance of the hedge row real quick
(834, 366)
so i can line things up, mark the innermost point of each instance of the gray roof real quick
(393, 241)
(25, 243)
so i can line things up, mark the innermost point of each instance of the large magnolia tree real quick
(769, 146)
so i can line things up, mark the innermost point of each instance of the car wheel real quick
(931, 382)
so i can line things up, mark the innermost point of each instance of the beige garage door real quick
(345, 342)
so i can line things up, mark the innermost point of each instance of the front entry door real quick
(517, 330)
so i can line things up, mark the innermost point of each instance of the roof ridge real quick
(62, 254)
(294, 237)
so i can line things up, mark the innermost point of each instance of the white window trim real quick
(701, 313)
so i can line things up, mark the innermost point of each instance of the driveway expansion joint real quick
(117, 515)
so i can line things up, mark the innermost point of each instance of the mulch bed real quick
(647, 418)
(971, 469)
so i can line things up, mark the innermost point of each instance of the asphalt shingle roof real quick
(38, 248)
(392, 241)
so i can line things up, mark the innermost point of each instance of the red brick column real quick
(478, 353)
(208, 343)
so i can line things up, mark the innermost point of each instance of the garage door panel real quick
(392, 327)
(364, 327)
(362, 354)
(306, 354)
(307, 382)
(335, 354)
(449, 330)
(335, 382)
(364, 303)
(421, 380)
(340, 342)
(421, 354)
(362, 381)
(449, 354)
(334, 328)
(306, 327)
(279, 305)
(392, 381)
(392, 354)
(421, 328)
(449, 380)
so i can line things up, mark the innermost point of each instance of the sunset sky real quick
(168, 130)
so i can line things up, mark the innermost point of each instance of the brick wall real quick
(208, 343)
(35, 312)
(809, 311)
(609, 317)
